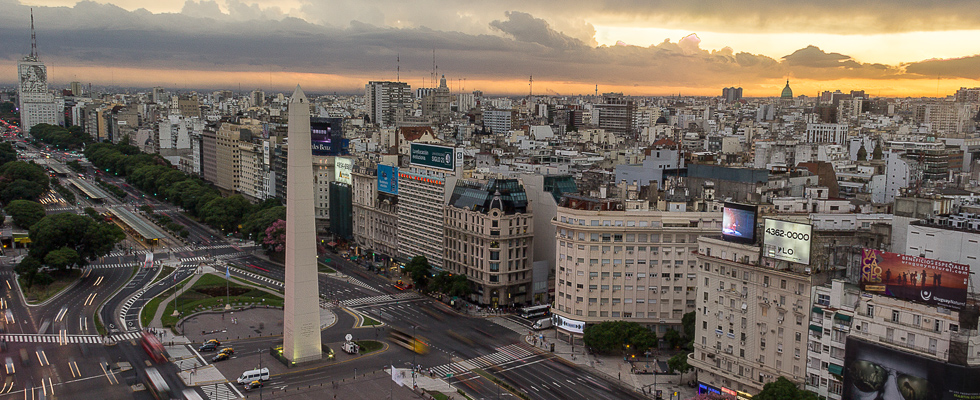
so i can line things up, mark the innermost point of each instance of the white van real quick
(544, 323)
(252, 375)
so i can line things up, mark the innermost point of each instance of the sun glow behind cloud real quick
(892, 48)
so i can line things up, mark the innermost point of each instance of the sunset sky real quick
(639, 47)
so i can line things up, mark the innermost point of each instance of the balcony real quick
(906, 345)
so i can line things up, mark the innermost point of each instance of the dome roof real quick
(787, 92)
(661, 120)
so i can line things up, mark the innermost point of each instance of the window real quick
(895, 316)
(871, 310)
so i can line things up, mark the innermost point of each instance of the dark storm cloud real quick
(966, 67)
(525, 28)
(201, 38)
(794, 16)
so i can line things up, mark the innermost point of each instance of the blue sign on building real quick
(388, 179)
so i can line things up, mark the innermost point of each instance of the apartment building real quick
(489, 238)
(752, 318)
(375, 212)
(625, 259)
(831, 319)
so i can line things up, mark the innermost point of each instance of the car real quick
(220, 357)
(253, 385)
(9, 362)
(228, 350)
(215, 341)
(208, 347)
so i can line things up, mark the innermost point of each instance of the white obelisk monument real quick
(301, 325)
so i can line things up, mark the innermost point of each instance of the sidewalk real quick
(615, 369)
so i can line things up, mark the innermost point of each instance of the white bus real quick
(535, 311)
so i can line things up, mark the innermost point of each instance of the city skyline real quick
(580, 48)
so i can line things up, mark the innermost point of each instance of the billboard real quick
(342, 168)
(922, 280)
(388, 179)
(433, 156)
(873, 371)
(326, 137)
(738, 223)
(569, 325)
(787, 241)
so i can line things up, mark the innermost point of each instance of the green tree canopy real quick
(25, 213)
(419, 270)
(783, 389)
(62, 259)
(7, 153)
(613, 336)
(678, 363)
(90, 239)
(57, 136)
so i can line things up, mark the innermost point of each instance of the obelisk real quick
(301, 324)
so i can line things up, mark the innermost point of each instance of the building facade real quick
(489, 238)
(622, 260)
(383, 99)
(752, 319)
(421, 211)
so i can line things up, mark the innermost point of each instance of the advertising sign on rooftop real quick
(922, 280)
(433, 156)
(787, 241)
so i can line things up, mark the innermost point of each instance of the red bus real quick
(151, 344)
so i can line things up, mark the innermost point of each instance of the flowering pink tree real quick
(275, 237)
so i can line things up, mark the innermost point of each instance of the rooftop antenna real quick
(33, 38)
(398, 68)
(596, 90)
(530, 86)
(432, 81)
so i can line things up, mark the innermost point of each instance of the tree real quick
(62, 259)
(678, 363)
(673, 338)
(25, 213)
(90, 239)
(783, 389)
(418, 269)
(612, 336)
(21, 190)
(29, 268)
(7, 153)
(460, 286)
(275, 237)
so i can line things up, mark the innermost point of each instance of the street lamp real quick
(415, 350)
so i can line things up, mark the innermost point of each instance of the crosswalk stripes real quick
(55, 338)
(379, 299)
(503, 355)
(219, 392)
(361, 284)
(257, 276)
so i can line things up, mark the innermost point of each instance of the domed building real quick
(787, 92)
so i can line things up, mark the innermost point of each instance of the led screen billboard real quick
(874, 371)
(917, 279)
(326, 137)
(738, 223)
(433, 156)
(388, 179)
(787, 241)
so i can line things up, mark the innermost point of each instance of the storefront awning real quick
(816, 329)
(836, 369)
(843, 317)
(817, 310)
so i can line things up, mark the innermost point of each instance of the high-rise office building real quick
(37, 105)
(731, 94)
(383, 99)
